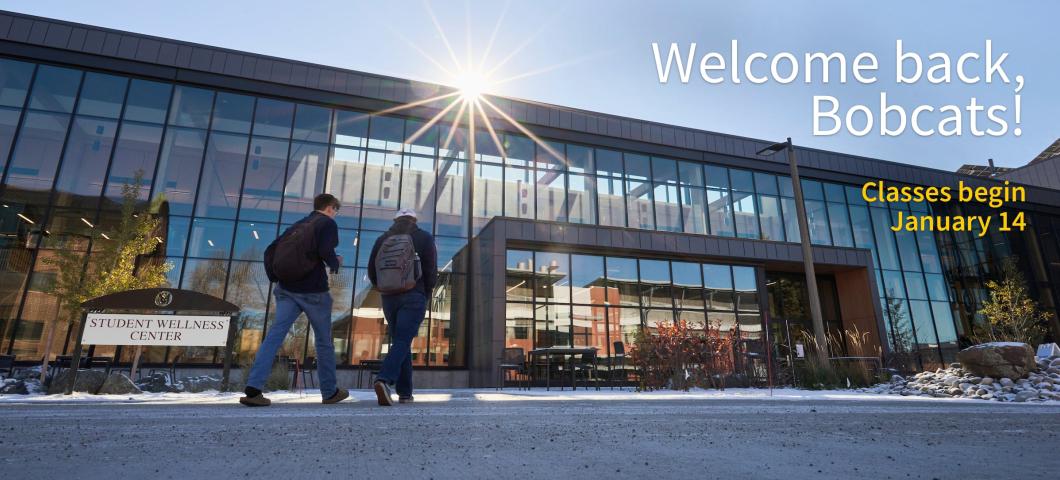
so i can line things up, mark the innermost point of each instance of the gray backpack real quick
(397, 265)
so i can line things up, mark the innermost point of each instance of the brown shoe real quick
(258, 401)
(382, 392)
(340, 395)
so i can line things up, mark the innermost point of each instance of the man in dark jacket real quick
(309, 294)
(404, 311)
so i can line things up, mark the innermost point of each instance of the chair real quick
(106, 361)
(7, 364)
(306, 368)
(373, 367)
(139, 369)
(618, 356)
(171, 373)
(514, 360)
(584, 365)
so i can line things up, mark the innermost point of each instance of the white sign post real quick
(173, 330)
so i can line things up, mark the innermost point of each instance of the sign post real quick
(176, 318)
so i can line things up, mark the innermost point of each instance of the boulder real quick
(158, 383)
(118, 384)
(12, 387)
(87, 381)
(998, 360)
(34, 372)
(201, 384)
(1026, 395)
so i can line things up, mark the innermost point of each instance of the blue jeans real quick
(404, 313)
(289, 305)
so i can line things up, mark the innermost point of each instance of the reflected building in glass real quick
(555, 227)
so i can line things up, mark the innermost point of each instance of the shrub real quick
(278, 379)
(682, 355)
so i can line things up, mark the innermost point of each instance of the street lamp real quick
(807, 252)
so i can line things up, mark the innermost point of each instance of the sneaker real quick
(382, 391)
(407, 399)
(340, 395)
(256, 401)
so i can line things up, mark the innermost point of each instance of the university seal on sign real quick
(163, 298)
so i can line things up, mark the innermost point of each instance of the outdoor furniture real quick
(372, 365)
(62, 362)
(586, 364)
(106, 361)
(139, 369)
(560, 351)
(171, 373)
(306, 368)
(514, 360)
(618, 356)
(7, 366)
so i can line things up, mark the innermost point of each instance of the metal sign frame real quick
(158, 300)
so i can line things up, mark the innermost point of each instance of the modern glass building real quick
(555, 226)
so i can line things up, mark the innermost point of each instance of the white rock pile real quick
(1043, 384)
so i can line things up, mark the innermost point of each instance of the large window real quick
(561, 300)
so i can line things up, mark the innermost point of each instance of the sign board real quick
(1047, 350)
(799, 350)
(176, 330)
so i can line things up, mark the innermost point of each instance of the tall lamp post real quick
(807, 252)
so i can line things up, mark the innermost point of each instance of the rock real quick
(950, 380)
(988, 396)
(999, 359)
(118, 384)
(158, 383)
(1007, 382)
(986, 381)
(201, 384)
(1025, 395)
(975, 380)
(34, 372)
(1055, 363)
(11, 386)
(955, 365)
(981, 392)
(965, 386)
(955, 391)
(1053, 370)
(897, 379)
(87, 381)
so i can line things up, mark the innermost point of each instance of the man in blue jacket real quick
(309, 294)
(404, 311)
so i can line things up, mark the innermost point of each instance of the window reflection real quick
(178, 169)
(55, 89)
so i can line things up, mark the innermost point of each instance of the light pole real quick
(807, 252)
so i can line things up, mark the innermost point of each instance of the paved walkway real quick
(488, 434)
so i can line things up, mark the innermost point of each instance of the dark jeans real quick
(404, 313)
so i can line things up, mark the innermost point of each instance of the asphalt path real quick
(696, 438)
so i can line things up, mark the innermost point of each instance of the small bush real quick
(278, 379)
(682, 355)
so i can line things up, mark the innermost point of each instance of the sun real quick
(471, 86)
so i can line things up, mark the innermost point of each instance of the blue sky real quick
(597, 56)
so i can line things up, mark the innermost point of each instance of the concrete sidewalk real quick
(489, 434)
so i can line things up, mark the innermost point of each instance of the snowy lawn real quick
(490, 395)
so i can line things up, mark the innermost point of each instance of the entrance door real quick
(790, 337)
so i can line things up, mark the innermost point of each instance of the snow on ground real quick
(485, 395)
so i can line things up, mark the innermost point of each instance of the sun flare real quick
(471, 86)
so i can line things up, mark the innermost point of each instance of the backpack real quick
(295, 254)
(397, 265)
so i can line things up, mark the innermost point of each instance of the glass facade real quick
(572, 300)
(236, 169)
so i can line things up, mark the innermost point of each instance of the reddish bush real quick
(682, 355)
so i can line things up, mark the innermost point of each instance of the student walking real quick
(297, 262)
(403, 266)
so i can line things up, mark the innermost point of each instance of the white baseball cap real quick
(405, 212)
